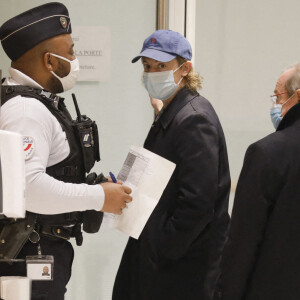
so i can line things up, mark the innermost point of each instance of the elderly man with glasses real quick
(261, 260)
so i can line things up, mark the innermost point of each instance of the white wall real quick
(241, 48)
(121, 108)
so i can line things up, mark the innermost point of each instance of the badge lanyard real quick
(39, 267)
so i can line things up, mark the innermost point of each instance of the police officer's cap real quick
(23, 32)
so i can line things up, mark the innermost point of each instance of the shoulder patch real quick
(28, 145)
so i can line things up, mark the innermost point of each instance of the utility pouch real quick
(87, 132)
(92, 219)
(14, 235)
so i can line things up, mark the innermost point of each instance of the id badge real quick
(40, 267)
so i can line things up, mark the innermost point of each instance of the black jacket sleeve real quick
(197, 178)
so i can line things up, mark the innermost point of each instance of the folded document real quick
(147, 174)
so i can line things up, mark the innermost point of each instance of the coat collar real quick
(291, 117)
(183, 97)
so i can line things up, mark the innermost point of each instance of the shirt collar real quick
(183, 97)
(19, 78)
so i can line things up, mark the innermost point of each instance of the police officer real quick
(58, 151)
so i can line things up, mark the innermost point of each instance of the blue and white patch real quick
(29, 146)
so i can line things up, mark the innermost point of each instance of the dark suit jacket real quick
(262, 258)
(177, 255)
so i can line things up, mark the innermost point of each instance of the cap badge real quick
(63, 22)
(153, 40)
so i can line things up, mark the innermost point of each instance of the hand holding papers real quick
(116, 197)
(147, 174)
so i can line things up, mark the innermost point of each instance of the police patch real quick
(28, 145)
(86, 138)
(63, 22)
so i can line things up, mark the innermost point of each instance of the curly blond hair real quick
(193, 81)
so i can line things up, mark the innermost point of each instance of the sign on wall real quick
(92, 48)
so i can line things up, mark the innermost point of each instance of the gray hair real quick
(293, 83)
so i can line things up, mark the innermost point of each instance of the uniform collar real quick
(19, 78)
(183, 97)
(291, 117)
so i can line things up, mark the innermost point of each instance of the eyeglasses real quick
(274, 97)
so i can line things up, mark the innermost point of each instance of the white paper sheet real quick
(12, 175)
(93, 49)
(15, 288)
(147, 174)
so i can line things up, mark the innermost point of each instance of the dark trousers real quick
(63, 257)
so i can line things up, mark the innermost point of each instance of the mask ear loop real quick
(179, 66)
(287, 100)
(179, 81)
(61, 57)
(178, 69)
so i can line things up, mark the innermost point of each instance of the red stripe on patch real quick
(28, 147)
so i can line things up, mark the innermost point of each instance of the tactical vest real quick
(82, 136)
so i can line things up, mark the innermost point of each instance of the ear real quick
(298, 94)
(186, 68)
(49, 62)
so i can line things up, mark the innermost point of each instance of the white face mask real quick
(68, 81)
(161, 85)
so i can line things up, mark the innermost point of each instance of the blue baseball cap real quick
(165, 45)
